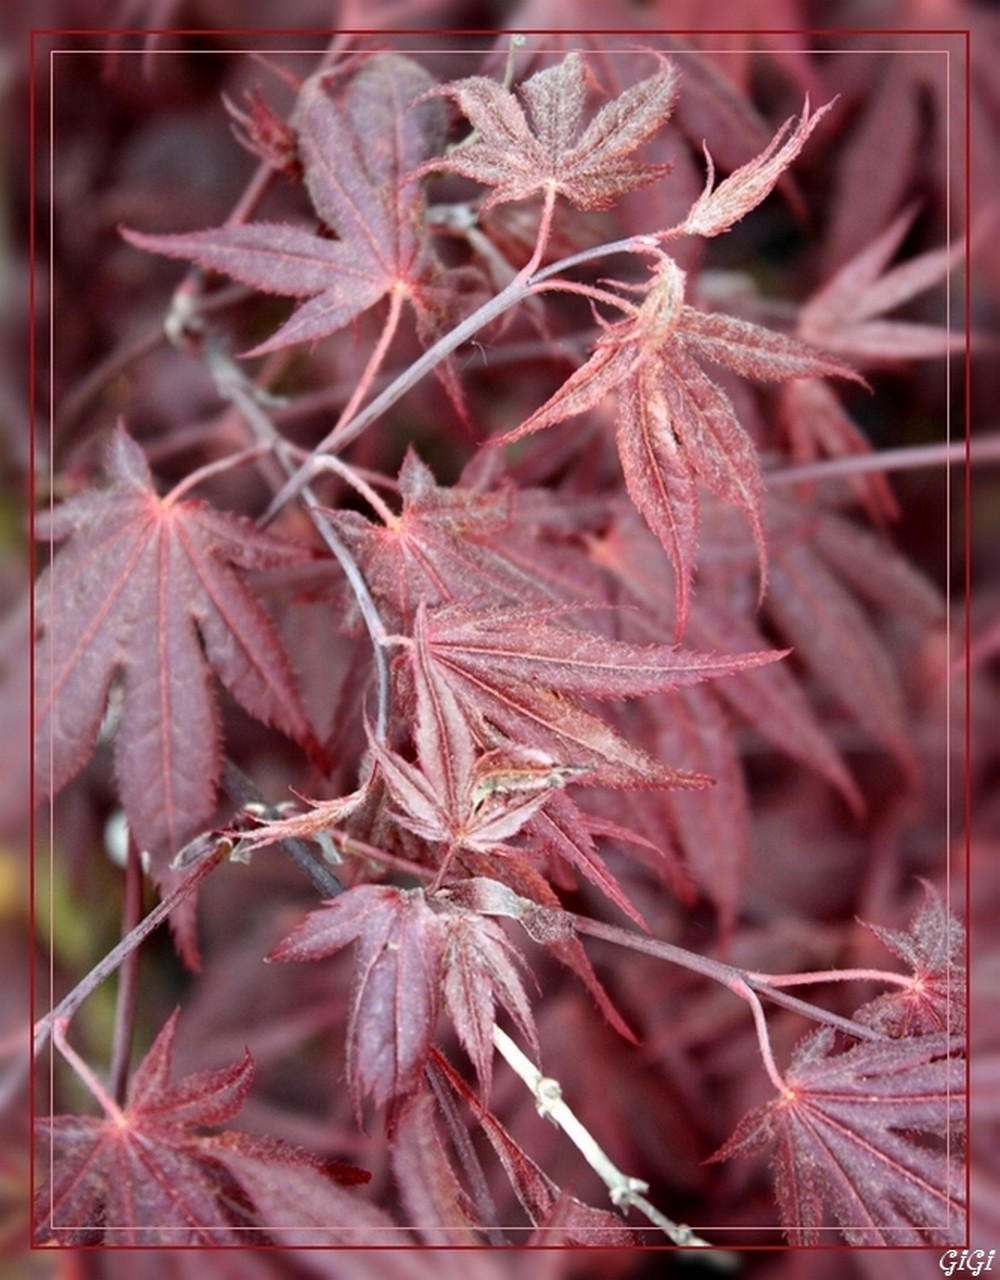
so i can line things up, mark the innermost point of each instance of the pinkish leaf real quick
(519, 159)
(932, 948)
(719, 208)
(841, 316)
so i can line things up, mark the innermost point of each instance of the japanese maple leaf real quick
(148, 1175)
(522, 154)
(149, 591)
(515, 668)
(935, 1001)
(821, 565)
(482, 968)
(846, 1134)
(845, 314)
(676, 427)
(396, 988)
(459, 796)
(355, 154)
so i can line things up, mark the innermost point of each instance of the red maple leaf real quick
(515, 668)
(397, 979)
(356, 154)
(845, 1134)
(518, 158)
(149, 1176)
(932, 947)
(149, 590)
(676, 427)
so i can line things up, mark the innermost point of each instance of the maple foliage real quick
(587, 649)
(844, 1135)
(519, 159)
(676, 427)
(150, 591)
(355, 156)
(149, 1175)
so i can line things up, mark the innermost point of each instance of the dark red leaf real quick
(356, 153)
(847, 1134)
(436, 1203)
(150, 591)
(480, 968)
(150, 1178)
(396, 987)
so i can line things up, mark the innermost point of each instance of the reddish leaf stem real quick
(831, 975)
(371, 369)
(730, 976)
(94, 1086)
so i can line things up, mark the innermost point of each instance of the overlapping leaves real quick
(151, 1177)
(408, 957)
(356, 153)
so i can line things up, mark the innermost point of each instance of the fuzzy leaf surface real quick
(932, 948)
(396, 986)
(355, 153)
(520, 154)
(847, 1135)
(155, 1179)
(676, 427)
(152, 592)
(515, 668)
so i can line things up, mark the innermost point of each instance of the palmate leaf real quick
(515, 669)
(847, 1135)
(590, 168)
(396, 988)
(677, 429)
(843, 315)
(150, 591)
(152, 1178)
(932, 948)
(356, 153)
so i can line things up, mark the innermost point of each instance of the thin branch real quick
(128, 982)
(508, 297)
(245, 793)
(985, 449)
(94, 1086)
(234, 386)
(623, 1189)
(68, 1006)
